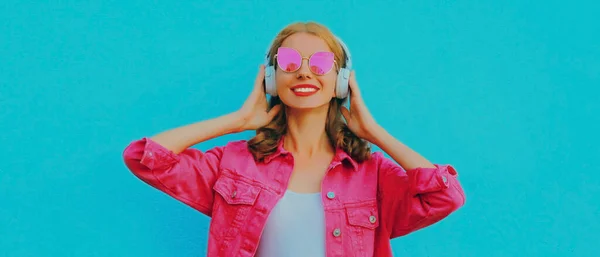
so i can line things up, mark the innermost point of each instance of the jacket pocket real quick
(363, 214)
(363, 220)
(233, 207)
(236, 191)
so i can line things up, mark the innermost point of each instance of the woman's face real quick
(303, 89)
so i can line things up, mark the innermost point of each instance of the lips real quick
(304, 89)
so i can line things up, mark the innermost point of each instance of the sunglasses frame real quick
(308, 59)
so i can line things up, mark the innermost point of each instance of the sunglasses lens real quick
(321, 62)
(288, 59)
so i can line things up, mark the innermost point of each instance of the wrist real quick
(236, 122)
(376, 135)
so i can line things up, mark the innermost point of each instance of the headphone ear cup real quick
(270, 87)
(342, 83)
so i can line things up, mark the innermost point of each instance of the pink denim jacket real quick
(366, 204)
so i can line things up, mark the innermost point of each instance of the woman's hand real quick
(254, 114)
(359, 118)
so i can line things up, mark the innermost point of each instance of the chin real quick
(304, 106)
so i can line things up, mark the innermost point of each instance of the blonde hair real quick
(267, 138)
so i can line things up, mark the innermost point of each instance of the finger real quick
(258, 88)
(345, 113)
(353, 84)
(273, 112)
(260, 77)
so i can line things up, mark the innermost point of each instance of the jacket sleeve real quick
(414, 199)
(188, 176)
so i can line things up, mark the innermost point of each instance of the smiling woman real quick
(307, 184)
(324, 76)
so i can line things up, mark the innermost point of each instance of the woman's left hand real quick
(359, 119)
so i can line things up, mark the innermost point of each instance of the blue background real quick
(507, 91)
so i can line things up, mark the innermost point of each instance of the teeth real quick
(305, 89)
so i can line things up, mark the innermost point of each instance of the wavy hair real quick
(267, 138)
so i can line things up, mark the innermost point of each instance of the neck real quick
(306, 135)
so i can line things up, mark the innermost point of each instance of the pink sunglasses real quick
(290, 60)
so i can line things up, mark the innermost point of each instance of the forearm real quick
(402, 154)
(181, 138)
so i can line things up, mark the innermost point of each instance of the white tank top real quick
(295, 227)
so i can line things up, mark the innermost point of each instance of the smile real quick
(305, 89)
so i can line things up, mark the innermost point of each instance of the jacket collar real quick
(340, 156)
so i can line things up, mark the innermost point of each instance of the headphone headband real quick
(346, 53)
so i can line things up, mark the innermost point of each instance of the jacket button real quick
(233, 194)
(330, 195)
(372, 219)
(337, 232)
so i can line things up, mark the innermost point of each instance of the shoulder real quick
(370, 165)
(377, 156)
(235, 155)
(237, 144)
(375, 159)
(236, 147)
(379, 162)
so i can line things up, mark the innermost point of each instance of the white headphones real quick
(341, 89)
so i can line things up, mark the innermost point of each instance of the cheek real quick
(283, 79)
(328, 82)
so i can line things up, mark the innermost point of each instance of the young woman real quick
(307, 184)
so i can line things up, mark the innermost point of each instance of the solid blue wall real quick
(505, 91)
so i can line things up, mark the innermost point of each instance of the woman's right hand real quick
(253, 114)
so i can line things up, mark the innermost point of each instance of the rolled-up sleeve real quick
(416, 198)
(188, 176)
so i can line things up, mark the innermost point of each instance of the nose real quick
(304, 71)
